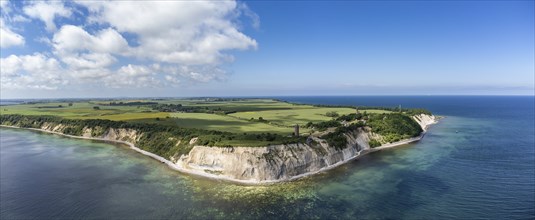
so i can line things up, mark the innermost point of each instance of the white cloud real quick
(8, 37)
(4, 6)
(178, 41)
(20, 18)
(172, 80)
(134, 70)
(195, 73)
(11, 14)
(88, 60)
(72, 38)
(132, 76)
(47, 12)
(30, 71)
(91, 75)
(10, 65)
(79, 49)
(255, 19)
(203, 73)
(29, 63)
(186, 32)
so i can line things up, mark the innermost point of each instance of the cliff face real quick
(112, 134)
(255, 164)
(278, 162)
(271, 163)
(425, 120)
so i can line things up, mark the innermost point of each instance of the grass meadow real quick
(280, 117)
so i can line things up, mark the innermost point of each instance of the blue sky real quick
(263, 48)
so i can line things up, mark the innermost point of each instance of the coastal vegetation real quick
(394, 127)
(164, 140)
(167, 126)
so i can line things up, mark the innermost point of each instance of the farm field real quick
(79, 110)
(218, 123)
(299, 116)
(230, 115)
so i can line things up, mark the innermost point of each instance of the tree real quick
(332, 114)
(96, 108)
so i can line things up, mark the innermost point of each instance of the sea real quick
(478, 162)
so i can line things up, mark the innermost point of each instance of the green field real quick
(218, 123)
(168, 125)
(300, 116)
(237, 116)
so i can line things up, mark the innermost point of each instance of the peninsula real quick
(251, 141)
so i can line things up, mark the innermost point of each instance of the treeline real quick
(189, 109)
(394, 127)
(417, 111)
(360, 108)
(156, 138)
(337, 139)
(391, 126)
(136, 103)
(322, 126)
(175, 108)
(50, 106)
(409, 111)
(217, 99)
(352, 117)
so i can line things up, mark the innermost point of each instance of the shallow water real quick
(478, 162)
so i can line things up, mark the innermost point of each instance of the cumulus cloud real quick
(132, 76)
(161, 43)
(30, 71)
(8, 37)
(81, 50)
(186, 32)
(72, 38)
(47, 12)
(172, 80)
(88, 60)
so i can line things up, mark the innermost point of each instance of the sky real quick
(56, 49)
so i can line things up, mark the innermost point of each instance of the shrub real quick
(331, 114)
(395, 126)
(156, 138)
(374, 143)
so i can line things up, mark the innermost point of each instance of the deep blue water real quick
(477, 163)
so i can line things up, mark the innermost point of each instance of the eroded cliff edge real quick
(283, 162)
(253, 165)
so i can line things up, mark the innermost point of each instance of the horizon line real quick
(273, 96)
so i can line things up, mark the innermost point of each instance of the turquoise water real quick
(477, 163)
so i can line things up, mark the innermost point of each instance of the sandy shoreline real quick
(217, 177)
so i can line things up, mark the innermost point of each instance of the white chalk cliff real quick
(281, 162)
(255, 165)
